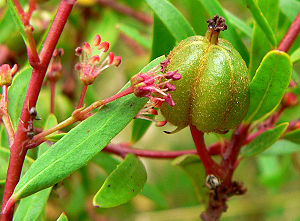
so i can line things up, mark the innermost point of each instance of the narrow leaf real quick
(81, 144)
(192, 165)
(262, 22)
(4, 159)
(197, 15)
(259, 47)
(106, 161)
(269, 84)
(16, 94)
(125, 182)
(282, 147)
(290, 8)
(264, 141)
(172, 19)
(62, 217)
(31, 207)
(239, 24)
(139, 128)
(295, 56)
(213, 7)
(134, 34)
(7, 27)
(293, 136)
(17, 19)
(162, 40)
(55, 137)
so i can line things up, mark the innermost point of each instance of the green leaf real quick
(239, 24)
(269, 84)
(139, 128)
(262, 22)
(153, 193)
(33, 206)
(213, 7)
(7, 27)
(134, 34)
(295, 56)
(162, 41)
(81, 144)
(3, 137)
(125, 182)
(282, 147)
(193, 166)
(264, 140)
(4, 159)
(293, 136)
(290, 8)
(259, 47)
(55, 137)
(16, 94)
(106, 161)
(172, 19)
(197, 15)
(62, 217)
(17, 19)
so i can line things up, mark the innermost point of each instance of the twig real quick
(290, 35)
(5, 117)
(122, 150)
(81, 99)
(17, 155)
(210, 165)
(126, 10)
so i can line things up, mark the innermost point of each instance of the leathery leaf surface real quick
(81, 144)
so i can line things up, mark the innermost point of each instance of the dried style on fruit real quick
(213, 94)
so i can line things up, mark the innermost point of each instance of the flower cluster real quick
(155, 85)
(90, 66)
(6, 74)
(55, 68)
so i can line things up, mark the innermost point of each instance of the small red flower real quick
(6, 74)
(90, 66)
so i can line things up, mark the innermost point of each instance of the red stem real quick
(17, 155)
(126, 10)
(83, 92)
(210, 165)
(5, 118)
(290, 35)
(122, 150)
(52, 96)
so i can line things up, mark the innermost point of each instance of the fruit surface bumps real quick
(213, 94)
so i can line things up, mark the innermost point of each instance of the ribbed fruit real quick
(213, 94)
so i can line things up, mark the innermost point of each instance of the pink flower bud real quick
(97, 40)
(87, 48)
(14, 69)
(161, 123)
(152, 111)
(169, 100)
(6, 74)
(104, 45)
(170, 87)
(94, 60)
(117, 61)
(78, 51)
(78, 67)
(110, 58)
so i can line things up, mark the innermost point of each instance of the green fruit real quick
(213, 93)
